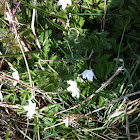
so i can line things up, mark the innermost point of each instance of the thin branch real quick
(4, 76)
(15, 10)
(54, 125)
(138, 138)
(8, 106)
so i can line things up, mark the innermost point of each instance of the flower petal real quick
(88, 74)
(64, 6)
(60, 2)
(64, 3)
(15, 75)
(72, 83)
(73, 88)
(69, 2)
(30, 108)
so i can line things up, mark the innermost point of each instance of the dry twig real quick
(8, 106)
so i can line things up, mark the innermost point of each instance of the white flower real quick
(1, 97)
(73, 88)
(15, 75)
(30, 108)
(64, 3)
(88, 74)
(66, 121)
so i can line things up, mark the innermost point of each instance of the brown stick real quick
(8, 106)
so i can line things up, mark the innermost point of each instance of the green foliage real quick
(47, 80)
(72, 34)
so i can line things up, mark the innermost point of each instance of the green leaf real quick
(90, 2)
(6, 97)
(56, 25)
(14, 98)
(23, 98)
(25, 135)
(53, 57)
(101, 101)
(8, 130)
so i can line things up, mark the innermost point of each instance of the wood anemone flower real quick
(15, 75)
(30, 108)
(73, 88)
(88, 74)
(64, 3)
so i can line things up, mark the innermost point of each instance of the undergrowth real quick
(96, 35)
